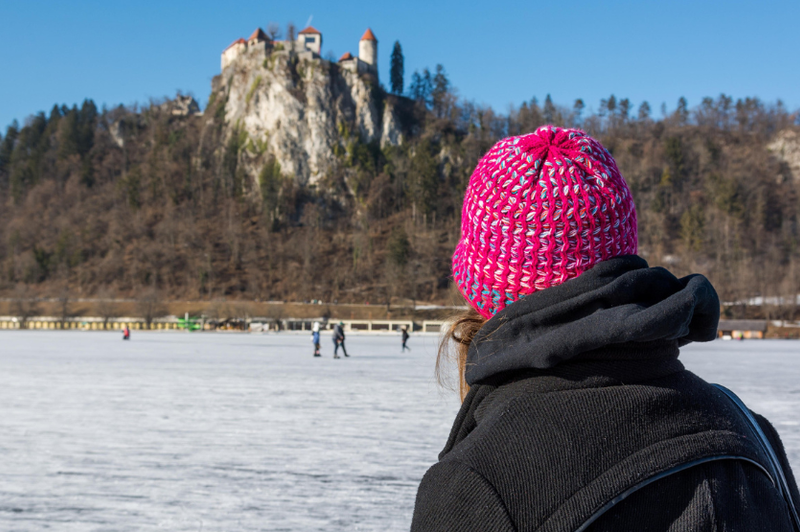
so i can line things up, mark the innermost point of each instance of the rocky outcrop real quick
(300, 109)
(392, 130)
(182, 106)
(786, 148)
(115, 130)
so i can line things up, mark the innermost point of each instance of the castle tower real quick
(368, 50)
(257, 37)
(310, 39)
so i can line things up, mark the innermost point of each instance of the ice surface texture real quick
(177, 431)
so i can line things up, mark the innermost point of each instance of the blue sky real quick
(496, 53)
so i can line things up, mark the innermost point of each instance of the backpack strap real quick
(677, 469)
(772, 469)
(777, 471)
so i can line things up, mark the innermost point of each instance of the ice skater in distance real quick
(404, 331)
(338, 340)
(315, 338)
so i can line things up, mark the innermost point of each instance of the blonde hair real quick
(454, 347)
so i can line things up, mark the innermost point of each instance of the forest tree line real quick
(124, 201)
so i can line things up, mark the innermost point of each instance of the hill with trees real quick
(124, 201)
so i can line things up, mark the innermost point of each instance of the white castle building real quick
(367, 60)
(308, 40)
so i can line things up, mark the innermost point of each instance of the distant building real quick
(310, 39)
(182, 106)
(368, 50)
(740, 329)
(257, 37)
(367, 60)
(348, 62)
(233, 51)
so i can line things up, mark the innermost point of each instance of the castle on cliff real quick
(307, 43)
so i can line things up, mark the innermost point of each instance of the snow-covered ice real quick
(176, 431)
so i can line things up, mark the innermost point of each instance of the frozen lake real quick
(176, 431)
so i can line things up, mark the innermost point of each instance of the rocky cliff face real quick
(786, 148)
(300, 109)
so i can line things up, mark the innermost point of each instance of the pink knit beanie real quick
(540, 209)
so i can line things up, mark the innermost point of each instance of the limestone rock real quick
(300, 109)
(116, 133)
(392, 132)
(124, 127)
(786, 148)
(182, 106)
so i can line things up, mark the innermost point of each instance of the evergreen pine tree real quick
(396, 71)
(415, 89)
(398, 246)
(421, 86)
(577, 108)
(682, 112)
(611, 105)
(549, 110)
(624, 108)
(644, 111)
(68, 133)
(439, 89)
(7, 145)
(87, 121)
(425, 178)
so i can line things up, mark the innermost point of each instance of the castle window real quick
(311, 39)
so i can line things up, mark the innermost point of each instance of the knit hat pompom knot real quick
(540, 209)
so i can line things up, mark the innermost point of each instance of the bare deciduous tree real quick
(291, 35)
(24, 305)
(273, 31)
(64, 305)
(149, 306)
(105, 307)
(277, 312)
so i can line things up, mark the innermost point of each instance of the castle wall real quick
(307, 55)
(350, 64)
(229, 55)
(357, 65)
(233, 53)
(312, 42)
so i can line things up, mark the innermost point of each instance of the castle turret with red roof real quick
(368, 50)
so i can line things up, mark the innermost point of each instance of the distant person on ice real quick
(404, 331)
(315, 338)
(338, 340)
(126, 333)
(576, 413)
